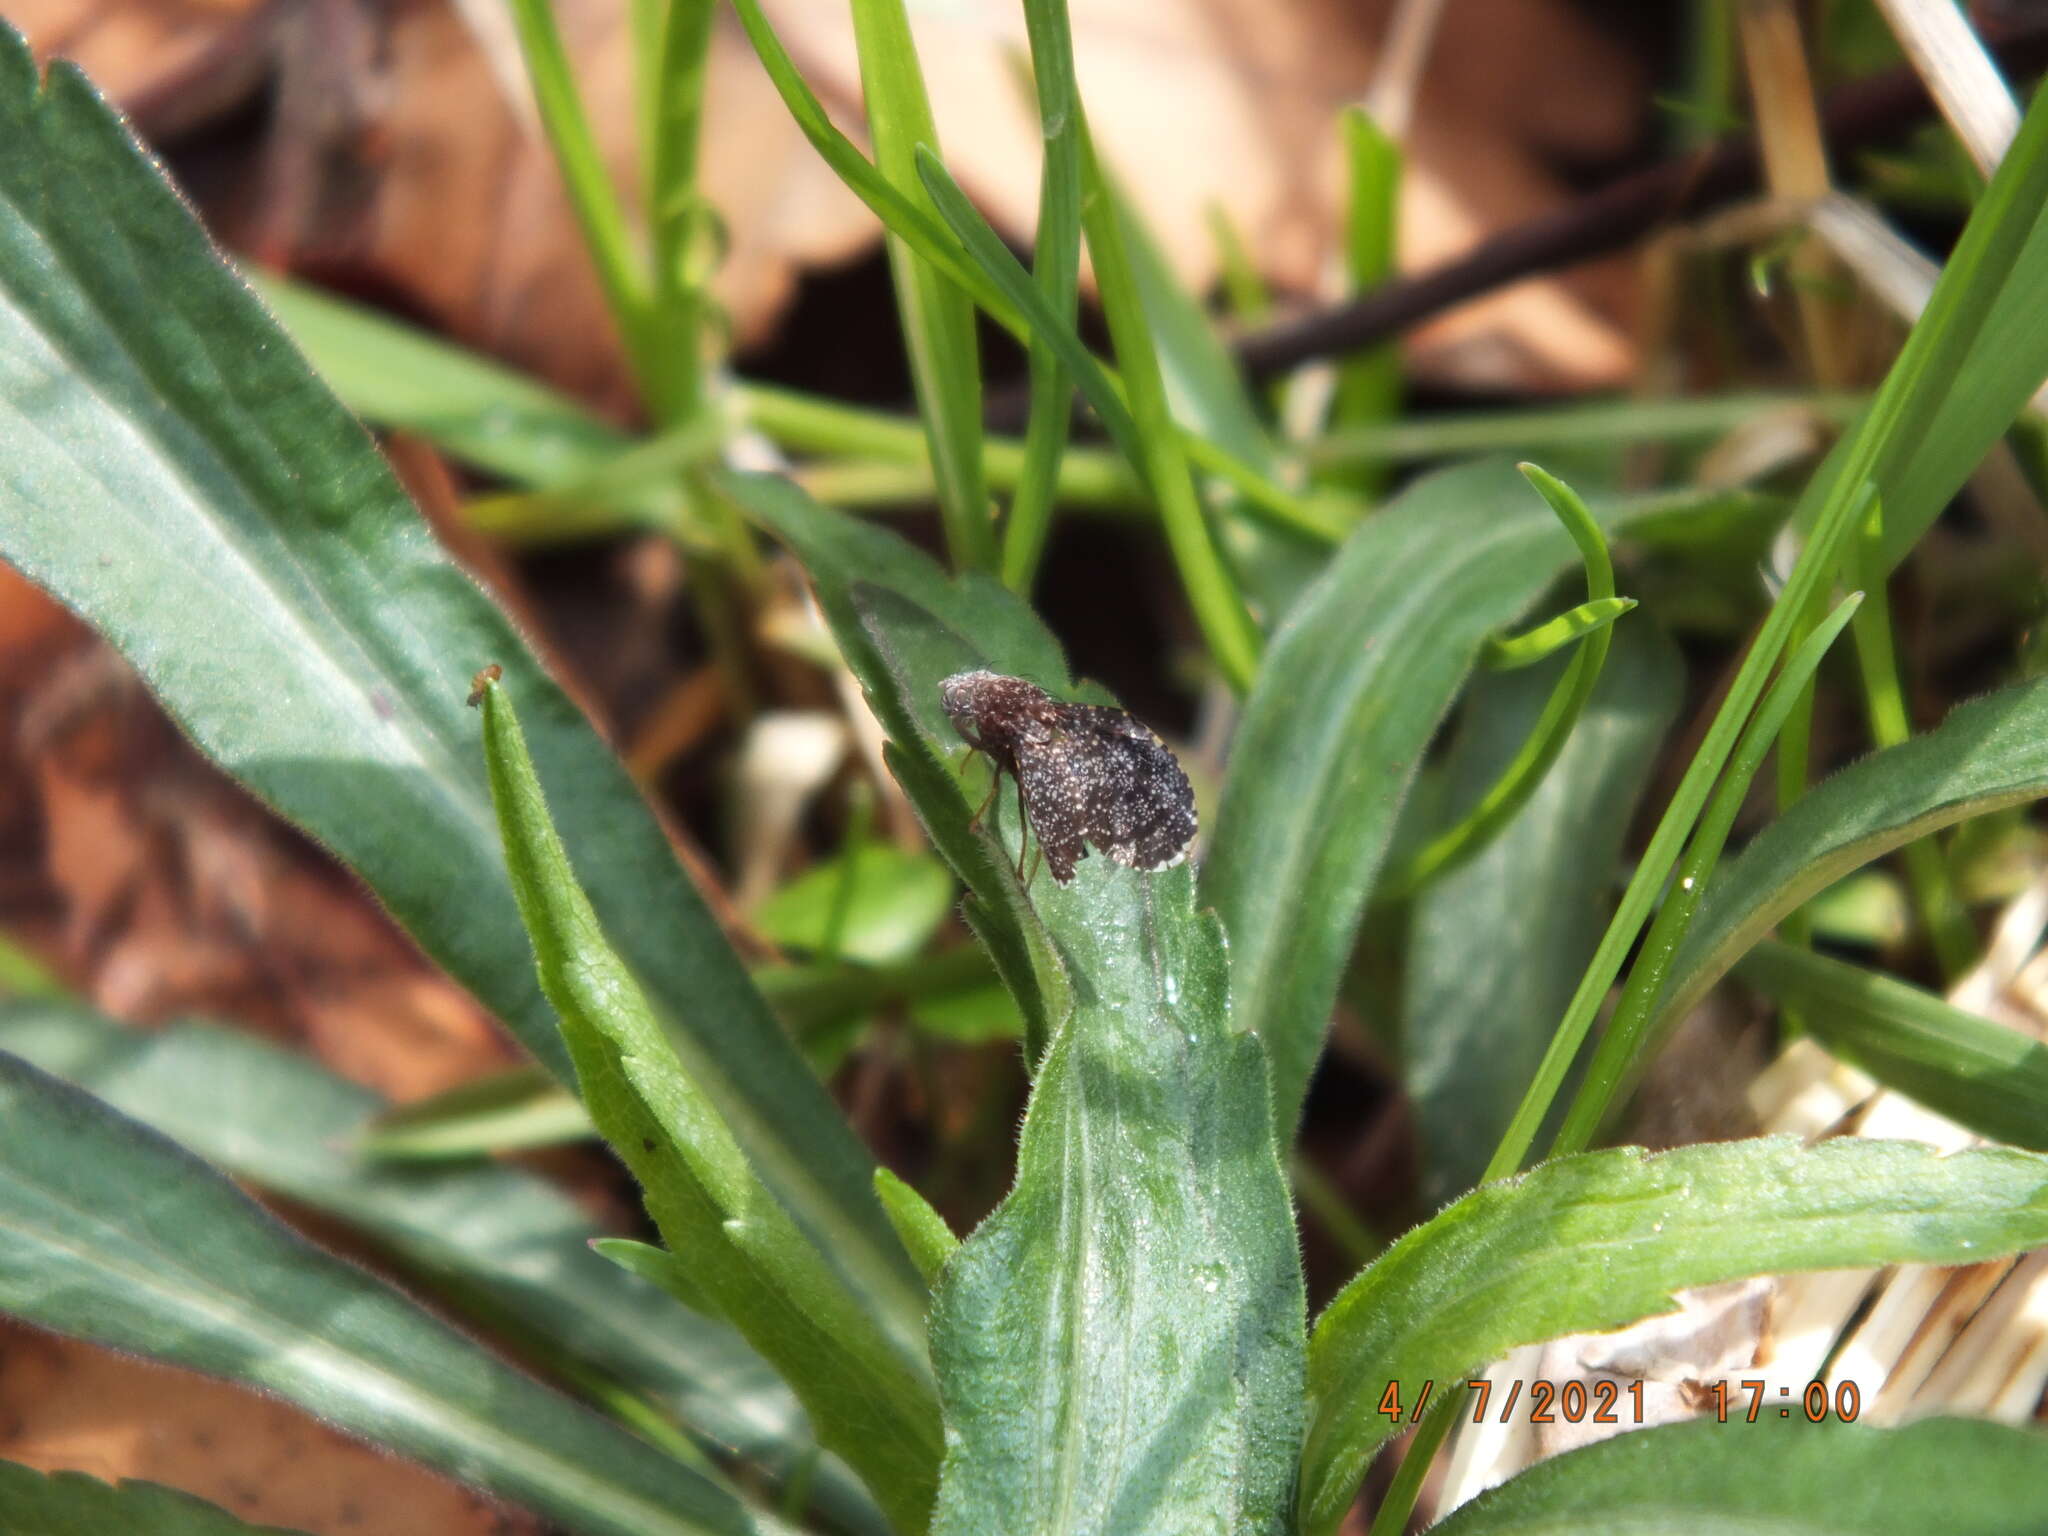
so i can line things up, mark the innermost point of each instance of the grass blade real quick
(1056, 269)
(1476, 1014)
(1369, 384)
(1986, 1076)
(1621, 1045)
(938, 319)
(621, 266)
(1816, 567)
(1212, 588)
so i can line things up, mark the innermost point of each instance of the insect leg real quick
(995, 783)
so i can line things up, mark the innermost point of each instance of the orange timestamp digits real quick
(1550, 1402)
(1816, 1403)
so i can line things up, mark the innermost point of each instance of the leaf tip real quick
(481, 685)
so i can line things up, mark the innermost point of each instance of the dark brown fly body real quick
(1085, 773)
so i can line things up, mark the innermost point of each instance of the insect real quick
(1085, 773)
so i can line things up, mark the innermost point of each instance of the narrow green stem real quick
(1561, 711)
(1226, 623)
(1817, 563)
(1056, 269)
(676, 215)
(1615, 1059)
(620, 269)
(1324, 1201)
(1942, 913)
(1391, 1519)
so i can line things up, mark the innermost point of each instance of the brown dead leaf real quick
(67, 1405)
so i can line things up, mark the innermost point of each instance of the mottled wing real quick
(1135, 803)
(1053, 798)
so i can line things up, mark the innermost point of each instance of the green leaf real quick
(892, 901)
(495, 1240)
(866, 1386)
(1989, 753)
(1203, 382)
(1599, 1240)
(1119, 1344)
(1014, 301)
(938, 319)
(519, 1108)
(1212, 403)
(1986, 1076)
(927, 1238)
(1351, 691)
(180, 478)
(657, 1266)
(1496, 945)
(1962, 1477)
(854, 568)
(1975, 357)
(72, 1504)
(907, 218)
(121, 1237)
(482, 412)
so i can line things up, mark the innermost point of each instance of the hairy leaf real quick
(1961, 1477)
(868, 1390)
